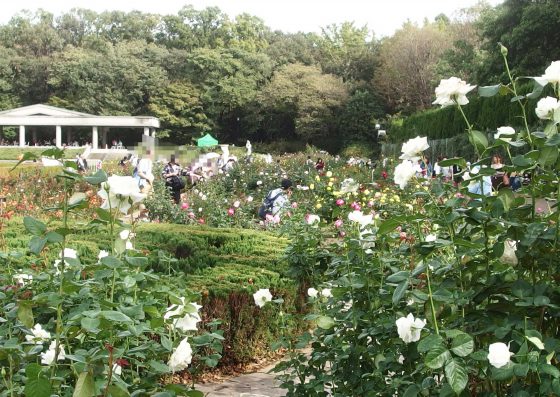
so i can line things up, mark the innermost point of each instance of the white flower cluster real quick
(409, 328)
(452, 91)
(262, 296)
(120, 192)
(325, 293)
(504, 133)
(184, 317)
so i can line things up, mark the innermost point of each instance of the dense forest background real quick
(201, 71)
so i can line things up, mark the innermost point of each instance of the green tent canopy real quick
(206, 141)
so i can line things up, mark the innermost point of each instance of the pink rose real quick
(340, 202)
(185, 206)
(338, 223)
(231, 212)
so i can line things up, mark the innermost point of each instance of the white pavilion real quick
(45, 116)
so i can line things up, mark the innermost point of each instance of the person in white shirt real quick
(144, 173)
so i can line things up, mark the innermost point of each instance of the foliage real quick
(478, 268)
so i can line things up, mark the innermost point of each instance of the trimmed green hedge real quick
(226, 266)
(485, 113)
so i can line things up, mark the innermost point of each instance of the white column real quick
(147, 131)
(58, 136)
(94, 138)
(21, 135)
(153, 132)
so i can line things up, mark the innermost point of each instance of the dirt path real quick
(256, 384)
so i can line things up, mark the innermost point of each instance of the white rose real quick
(102, 254)
(451, 91)
(124, 234)
(412, 149)
(117, 369)
(312, 292)
(262, 296)
(250, 199)
(403, 173)
(546, 108)
(22, 278)
(326, 292)
(359, 217)
(552, 73)
(509, 257)
(69, 253)
(504, 133)
(47, 358)
(311, 219)
(119, 192)
(409, 328)
(39, 335)
(430, 238)
(499, 354)
(181, 357)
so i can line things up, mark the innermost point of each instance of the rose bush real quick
(481, 269)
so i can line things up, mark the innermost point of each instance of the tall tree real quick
(407, 74)
(305, 99)
(529, 29)
(348, 51)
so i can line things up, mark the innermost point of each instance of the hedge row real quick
(487, 114)
(226, 266)
(13, 152)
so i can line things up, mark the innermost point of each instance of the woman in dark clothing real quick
(173, 181)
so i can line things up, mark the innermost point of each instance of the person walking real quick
(143, 173)
(277, 200)
(172, 174)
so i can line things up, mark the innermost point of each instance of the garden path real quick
(256, 384)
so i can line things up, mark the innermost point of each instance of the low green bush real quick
(226, 266)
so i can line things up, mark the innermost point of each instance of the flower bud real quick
(503, 49)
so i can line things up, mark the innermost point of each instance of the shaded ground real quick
(256, 384)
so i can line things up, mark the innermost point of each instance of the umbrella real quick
(206, 141)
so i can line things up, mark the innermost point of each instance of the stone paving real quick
(256, 384)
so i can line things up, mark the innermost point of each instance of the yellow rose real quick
(329, 174)
(329, 184)
(311, 186)
(366, 192)
(317, 178)
(318, 205)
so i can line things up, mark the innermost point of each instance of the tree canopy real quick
(201, 70)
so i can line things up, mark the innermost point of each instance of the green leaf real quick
(325, 322)
(97, 178)
(430, 342)
(166, 342)
(535, 341)
(456, 375)
(537, 91)
(84, 386)
(548, 155)
(522, 161)
(118, 391)
(489, 90)
(40, 387)
(399, 292)
(437, 357)
(25, 313)
(115, 316)
(137, 261)
(36, 244)
(398, 276)
(195, 393)
(411, 391)
(159, 367)
(478, 140)
(33, 370)
(111, 262)
(389, 225)
(34, 226)
(550, 370)
(129, 282)
(461, 162)
(90, 324)
(54, 237)
(462, 345)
